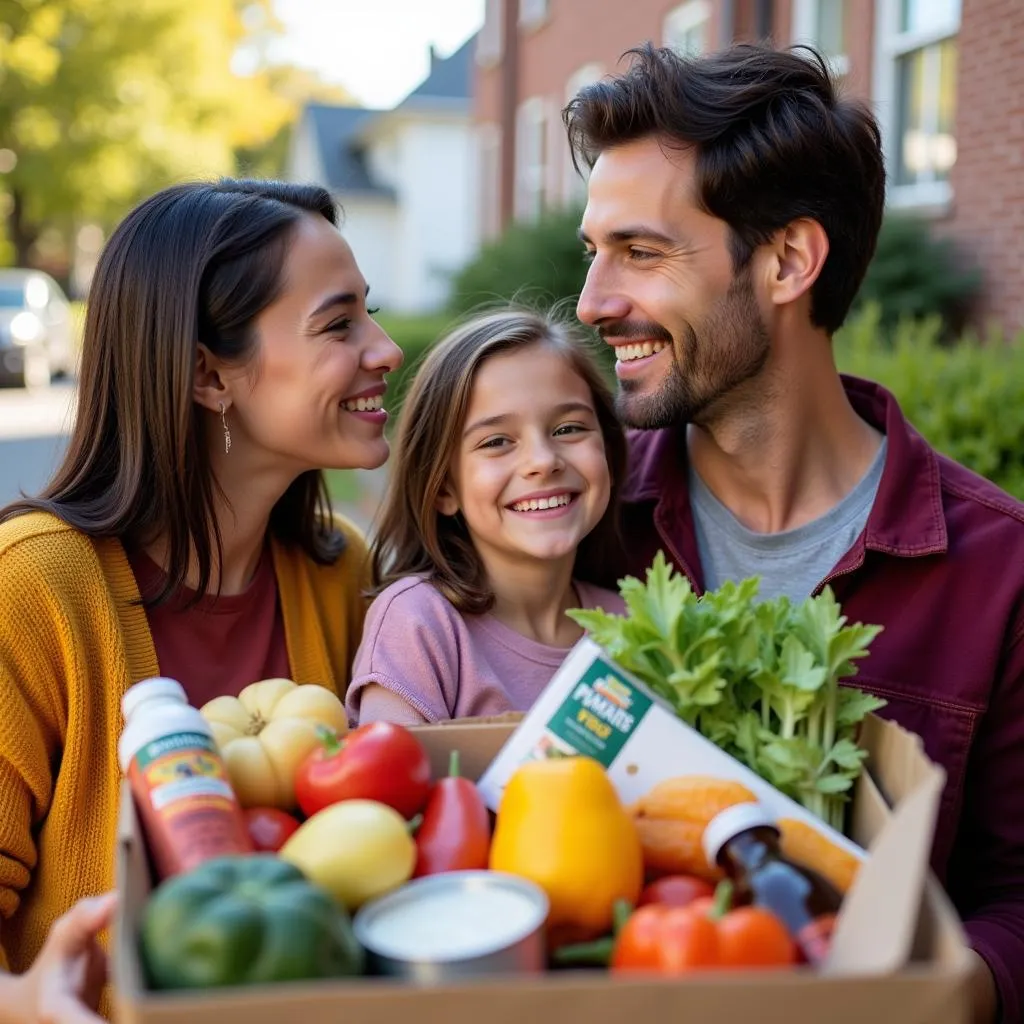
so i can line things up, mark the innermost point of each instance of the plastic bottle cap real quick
(157, 688)
(731, 822)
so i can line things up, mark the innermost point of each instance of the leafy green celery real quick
(761, 679)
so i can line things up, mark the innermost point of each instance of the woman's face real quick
(313, 396)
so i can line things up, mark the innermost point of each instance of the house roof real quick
(450, 78)
(337, 129)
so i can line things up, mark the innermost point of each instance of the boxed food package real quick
(594, 708)
(898, 950)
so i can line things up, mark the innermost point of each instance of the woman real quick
(228, 356)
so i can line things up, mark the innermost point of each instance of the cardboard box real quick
(895, 913)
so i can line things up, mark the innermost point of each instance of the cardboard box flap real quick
(907, 765)
(506, 718)
(877, 926)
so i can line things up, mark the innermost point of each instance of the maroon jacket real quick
(940, 565)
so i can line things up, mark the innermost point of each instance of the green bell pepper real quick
(245, 920)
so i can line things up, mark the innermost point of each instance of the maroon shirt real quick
(940, 564)
(220, 645)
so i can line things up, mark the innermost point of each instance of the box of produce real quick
(579, 862)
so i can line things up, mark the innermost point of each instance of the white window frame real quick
(531, 167)
(489, 170)
(574, 186)
(490, 42)
(934, 197)
(684, 19)
(806, 17)
(533, 13)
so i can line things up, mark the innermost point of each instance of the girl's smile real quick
(544, 505)
(530, 476)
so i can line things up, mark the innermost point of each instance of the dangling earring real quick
(227, 433)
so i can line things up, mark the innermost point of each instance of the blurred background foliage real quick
(104, 101)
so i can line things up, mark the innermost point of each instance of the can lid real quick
(731, 822)
(157, 688)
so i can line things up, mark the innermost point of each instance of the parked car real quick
(36, 329)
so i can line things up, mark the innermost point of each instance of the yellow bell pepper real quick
(561, 824)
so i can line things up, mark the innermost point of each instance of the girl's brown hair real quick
(412, 536)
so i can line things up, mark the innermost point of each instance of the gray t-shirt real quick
(793, 562)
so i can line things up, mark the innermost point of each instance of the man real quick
(733, 207)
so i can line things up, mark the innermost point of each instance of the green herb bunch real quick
(758, 678)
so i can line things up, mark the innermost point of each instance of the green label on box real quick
(600, 713)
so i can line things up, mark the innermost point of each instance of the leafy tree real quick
(102, 101)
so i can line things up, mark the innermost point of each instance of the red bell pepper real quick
(455, 834)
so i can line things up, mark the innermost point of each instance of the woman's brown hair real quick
(196, 262)
(412, 536)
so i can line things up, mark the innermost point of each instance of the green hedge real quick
(966, 398)
(414, 335)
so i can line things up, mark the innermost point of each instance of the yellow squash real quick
(267, 731)
(561, 825)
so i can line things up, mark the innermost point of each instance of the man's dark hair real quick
(774, 142)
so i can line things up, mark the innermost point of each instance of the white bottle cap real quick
(157, 688)
(731, 822)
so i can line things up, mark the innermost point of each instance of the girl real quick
(508, 458)
(228, 356)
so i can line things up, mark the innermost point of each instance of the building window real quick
(531, 158)
(822, 24)
(916, 74)
(489, 42)
(532, 12)
(686, 27)
(574, 186)
(489, 155)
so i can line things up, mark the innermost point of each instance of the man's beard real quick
(729, 348)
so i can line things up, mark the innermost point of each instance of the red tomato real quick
(676, 891)
(379, 761)
(677, 940)
(667, 940)
(269, 828)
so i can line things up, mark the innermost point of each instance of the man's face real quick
(688, 334)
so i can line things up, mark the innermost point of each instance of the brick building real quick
(945, 78)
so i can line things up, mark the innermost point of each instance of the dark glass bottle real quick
(744, 842)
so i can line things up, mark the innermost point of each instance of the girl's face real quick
(313, 398)
(529, 474)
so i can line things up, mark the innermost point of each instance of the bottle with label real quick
(181, 788)
(743, 841)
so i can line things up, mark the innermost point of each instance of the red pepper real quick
(455, 834)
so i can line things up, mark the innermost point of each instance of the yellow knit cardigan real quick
(71, 642)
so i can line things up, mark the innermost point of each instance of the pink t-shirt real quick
(447, 665)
